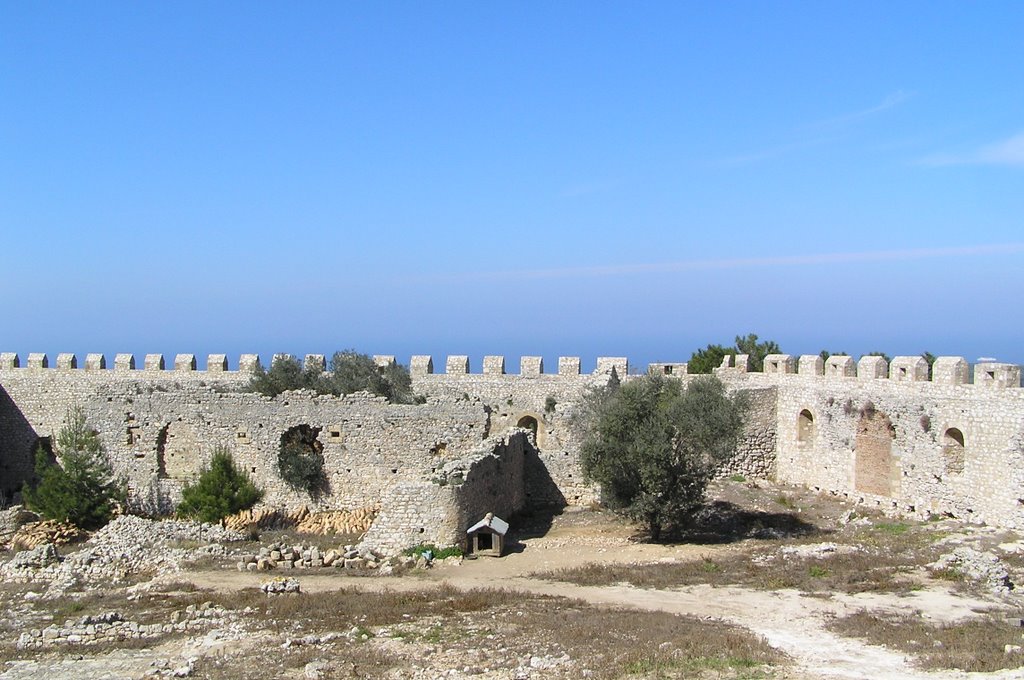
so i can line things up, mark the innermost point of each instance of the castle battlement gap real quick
(946, 370)
(944, 440)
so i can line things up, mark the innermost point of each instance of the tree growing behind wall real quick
(707, 359)
(222, 489)
(654, 446)
(300, 461)
(350, 372)
(79, 487)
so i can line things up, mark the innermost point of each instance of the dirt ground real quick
(762, 522)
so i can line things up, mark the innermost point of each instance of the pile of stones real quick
(282, 556)
(281, 586)
(978, 567)
(112, 627)
(127, 545)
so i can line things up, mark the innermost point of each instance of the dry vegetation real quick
(484, 629)
(978, 645)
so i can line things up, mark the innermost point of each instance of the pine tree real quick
(81, 488)
(222, 489)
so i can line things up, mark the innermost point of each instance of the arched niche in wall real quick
(953, 451)
(875, 469)
(805, 428)
(535, 423)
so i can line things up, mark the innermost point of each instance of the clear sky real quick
(569, 178)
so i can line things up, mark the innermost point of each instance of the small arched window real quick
(528, 423)
(953, 451)
(805, 427)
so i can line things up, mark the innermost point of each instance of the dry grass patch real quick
(493, 628)
(977, 645)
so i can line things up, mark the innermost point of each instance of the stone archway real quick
(875, 469)
(953, 457)
(805, 428)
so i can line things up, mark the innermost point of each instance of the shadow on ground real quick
(724, 522)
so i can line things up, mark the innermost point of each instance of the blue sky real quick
(584, 178)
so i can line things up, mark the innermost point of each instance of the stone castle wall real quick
(889, 435)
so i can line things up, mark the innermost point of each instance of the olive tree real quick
(654, 444)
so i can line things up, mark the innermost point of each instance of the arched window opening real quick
(528, 423)
(953, 451)
(805, 427)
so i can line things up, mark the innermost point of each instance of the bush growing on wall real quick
(222, 489)
(79, 487)
(350, 372)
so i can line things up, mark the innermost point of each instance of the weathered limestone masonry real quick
(496, 441)
(160, 426)
(889, 436)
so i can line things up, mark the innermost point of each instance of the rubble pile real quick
(280, 586)
(112, 627)
(127, 545)
(281, 556)
(976, 566)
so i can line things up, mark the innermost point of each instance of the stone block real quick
(185, 362)
(457, 364)
(568, 365)
(124, 362)
(951, 371)
(841, 366)
(872, 368)
(421, 364)
(66, 362)
(248, 363)
(662, 368)
(217, 363)
(996, 375)
(153, 362)
(811, 364)
(531, 366)
(384, 360)
(9, 360)
(779, 363)
(908, 369)
(95, 362)
(605, 365)
(494, 365)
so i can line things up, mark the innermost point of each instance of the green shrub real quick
(438, 553)
(222, 489)
(350, 372)
(80, 487)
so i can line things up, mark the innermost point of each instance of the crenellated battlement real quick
(948, 438)
(946, 370)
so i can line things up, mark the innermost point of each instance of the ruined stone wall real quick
(159, 427)
(889, 436)
(439, 510)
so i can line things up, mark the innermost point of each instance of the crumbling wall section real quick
(440, 510)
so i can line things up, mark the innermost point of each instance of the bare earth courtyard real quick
(773, 582)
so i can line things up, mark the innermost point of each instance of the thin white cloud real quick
(1009, 151)
(738, 263)
(891, 101)
(828, 130)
